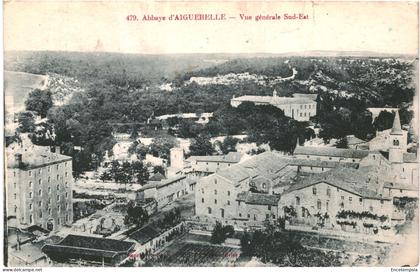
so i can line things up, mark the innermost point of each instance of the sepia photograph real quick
(233, 134)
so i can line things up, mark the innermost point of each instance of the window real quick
(297, 201)
(58, 186)
(263, 185)
(14, 196)
(228, 202)
(314, 190)
(30, 173)
(305, 107)
(14, 185)
(354, 160)
(65, 174)
(300, 114)
(30, 184)
(318, 204)
(371, 208)
(240, 214)
(40, 170)
(342, 197)
(65, 164)
(49, 190)
(269, 207)
(209, 210)
(396, 142)
(58, 198)
(215, 201)
(328, 192)
(228, 193)
(40, 192)
(274, 216)
(215, 181)
(215, 192)
(350, 198)
(49, 179)
(39, 181)
(67, 194)
(59, 208)
(40, 203)
(40, 215)
(58, 176)
(56, 167)
(30, 219)
(327, 204)
(15, 209)
(30, 207)
(330, 158)
(249, 216)
(49, 168)
(307, 156)
(30, 194)
(49, 211)
(267, 216)
(202, 190)
(255, 217)
(360, 200)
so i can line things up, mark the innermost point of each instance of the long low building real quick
(300, 108)
(91, 250)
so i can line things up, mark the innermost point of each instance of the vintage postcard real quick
(213, 134)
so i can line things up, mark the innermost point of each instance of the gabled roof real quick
(353, 140)
(91, 246)
(400, 186)
(331, 152)
(144, 234)
(161, 183)
(258, 198)
(275, 100)
(232, 157)
(348, 179)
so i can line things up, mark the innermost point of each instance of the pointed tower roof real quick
(396, 127)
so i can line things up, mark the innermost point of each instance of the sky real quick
(384, 27)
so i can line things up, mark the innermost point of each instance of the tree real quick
(26, 122)
(39, 101)
(220, 233)
(384, 120)
(229, 144)
(158, 169)
(342, 143)
(139, 172)
(201, 146)
(135, 215)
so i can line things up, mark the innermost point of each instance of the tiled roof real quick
(353, 140)
(144, 234)
(232, 157)
(400, 186)
(162, 183)
(347, 179)
(273, 100)
(330, 151)
(266, 164)
(258, 198)
(32, 155)
(319, 163)
(87, 245)
(409, 157)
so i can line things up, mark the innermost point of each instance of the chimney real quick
(18, 159)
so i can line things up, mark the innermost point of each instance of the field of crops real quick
(194, 254)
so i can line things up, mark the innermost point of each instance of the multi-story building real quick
(343, 198)
(39, 186)
(300, 108)
(205, 165)
(167, 190)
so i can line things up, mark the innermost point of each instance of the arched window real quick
(396, 142)
(209, 210)
(263, 185)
